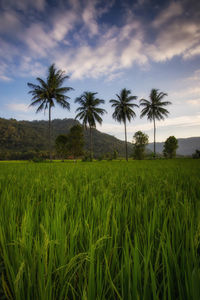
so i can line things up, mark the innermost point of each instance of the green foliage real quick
(76, 140)
(70, 144)
(89, 112)
(124, 110)
(47, 93)
(115, 154)
(196, 154)
(62, 145)
(18, 137)
(140, 140)
(86, 157)
(170, 146)
(107, 230)
(154, 109)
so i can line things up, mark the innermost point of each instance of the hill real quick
(187, 146)
(17, 138)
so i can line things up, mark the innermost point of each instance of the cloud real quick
(89, 18)
(18, 107)
(74, 38)
(113, 52)
(194, 102)
(9, 22)
(177, 38)
(3, 71)
(183, 121)
(23, 5)
(173, 10)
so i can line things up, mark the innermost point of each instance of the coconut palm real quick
(124, 110)
(154, 109)
(47, 93)
(90, 112)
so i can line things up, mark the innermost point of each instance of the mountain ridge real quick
(23, 136)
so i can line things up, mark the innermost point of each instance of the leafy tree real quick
(115, 154)
(90, 112)
(76, 140)
(62, 145)
(140, 140)
(47, 93)
(170, 146)
(154, 109)
(124, 110)
(196, 154)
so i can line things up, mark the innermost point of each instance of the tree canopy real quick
(170, 146)
(140, 140)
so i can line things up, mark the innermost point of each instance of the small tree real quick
(61, 145)
(140, 140)
(76, 140)
(115, 154)
(170, 146)
(196, 154)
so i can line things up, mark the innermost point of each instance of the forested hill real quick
(26, 136)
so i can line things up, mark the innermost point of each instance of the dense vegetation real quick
(24, 139)
(102, 230)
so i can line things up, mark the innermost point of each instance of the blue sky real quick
(104, 46)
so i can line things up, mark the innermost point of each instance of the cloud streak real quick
(76, 39)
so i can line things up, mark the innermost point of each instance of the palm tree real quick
(47, 93)
(154, 109)
(124, 110)
(89, 112)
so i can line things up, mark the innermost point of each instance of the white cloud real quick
(194, 102)
(192, 52)
(19, 107)
(3, 71)
(113, 53)
(183, 121)
(175, 39)
(113, 49)
(89, 18)
(173, 10)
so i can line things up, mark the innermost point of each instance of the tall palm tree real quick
(124, 110)
(154, 109)
(47, 93)
(89, 112)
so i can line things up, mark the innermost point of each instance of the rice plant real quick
(101, 230)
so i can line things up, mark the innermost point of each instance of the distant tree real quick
(76, 140)
(62, 145)
(90, 112)
(47, 93)
(154, 109)
(170, 146)
(115, 154)
(124, 110)
(196, 154)
(140, 140)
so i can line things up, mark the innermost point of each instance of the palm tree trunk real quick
(154, 143)
(50, 152)
(126, 140)
(91, 154)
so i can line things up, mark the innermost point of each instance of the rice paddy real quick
(101, 230)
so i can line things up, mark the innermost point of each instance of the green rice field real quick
(101, 230)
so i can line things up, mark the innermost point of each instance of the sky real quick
(104, 46)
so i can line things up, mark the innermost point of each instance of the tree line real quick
(47, 93)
